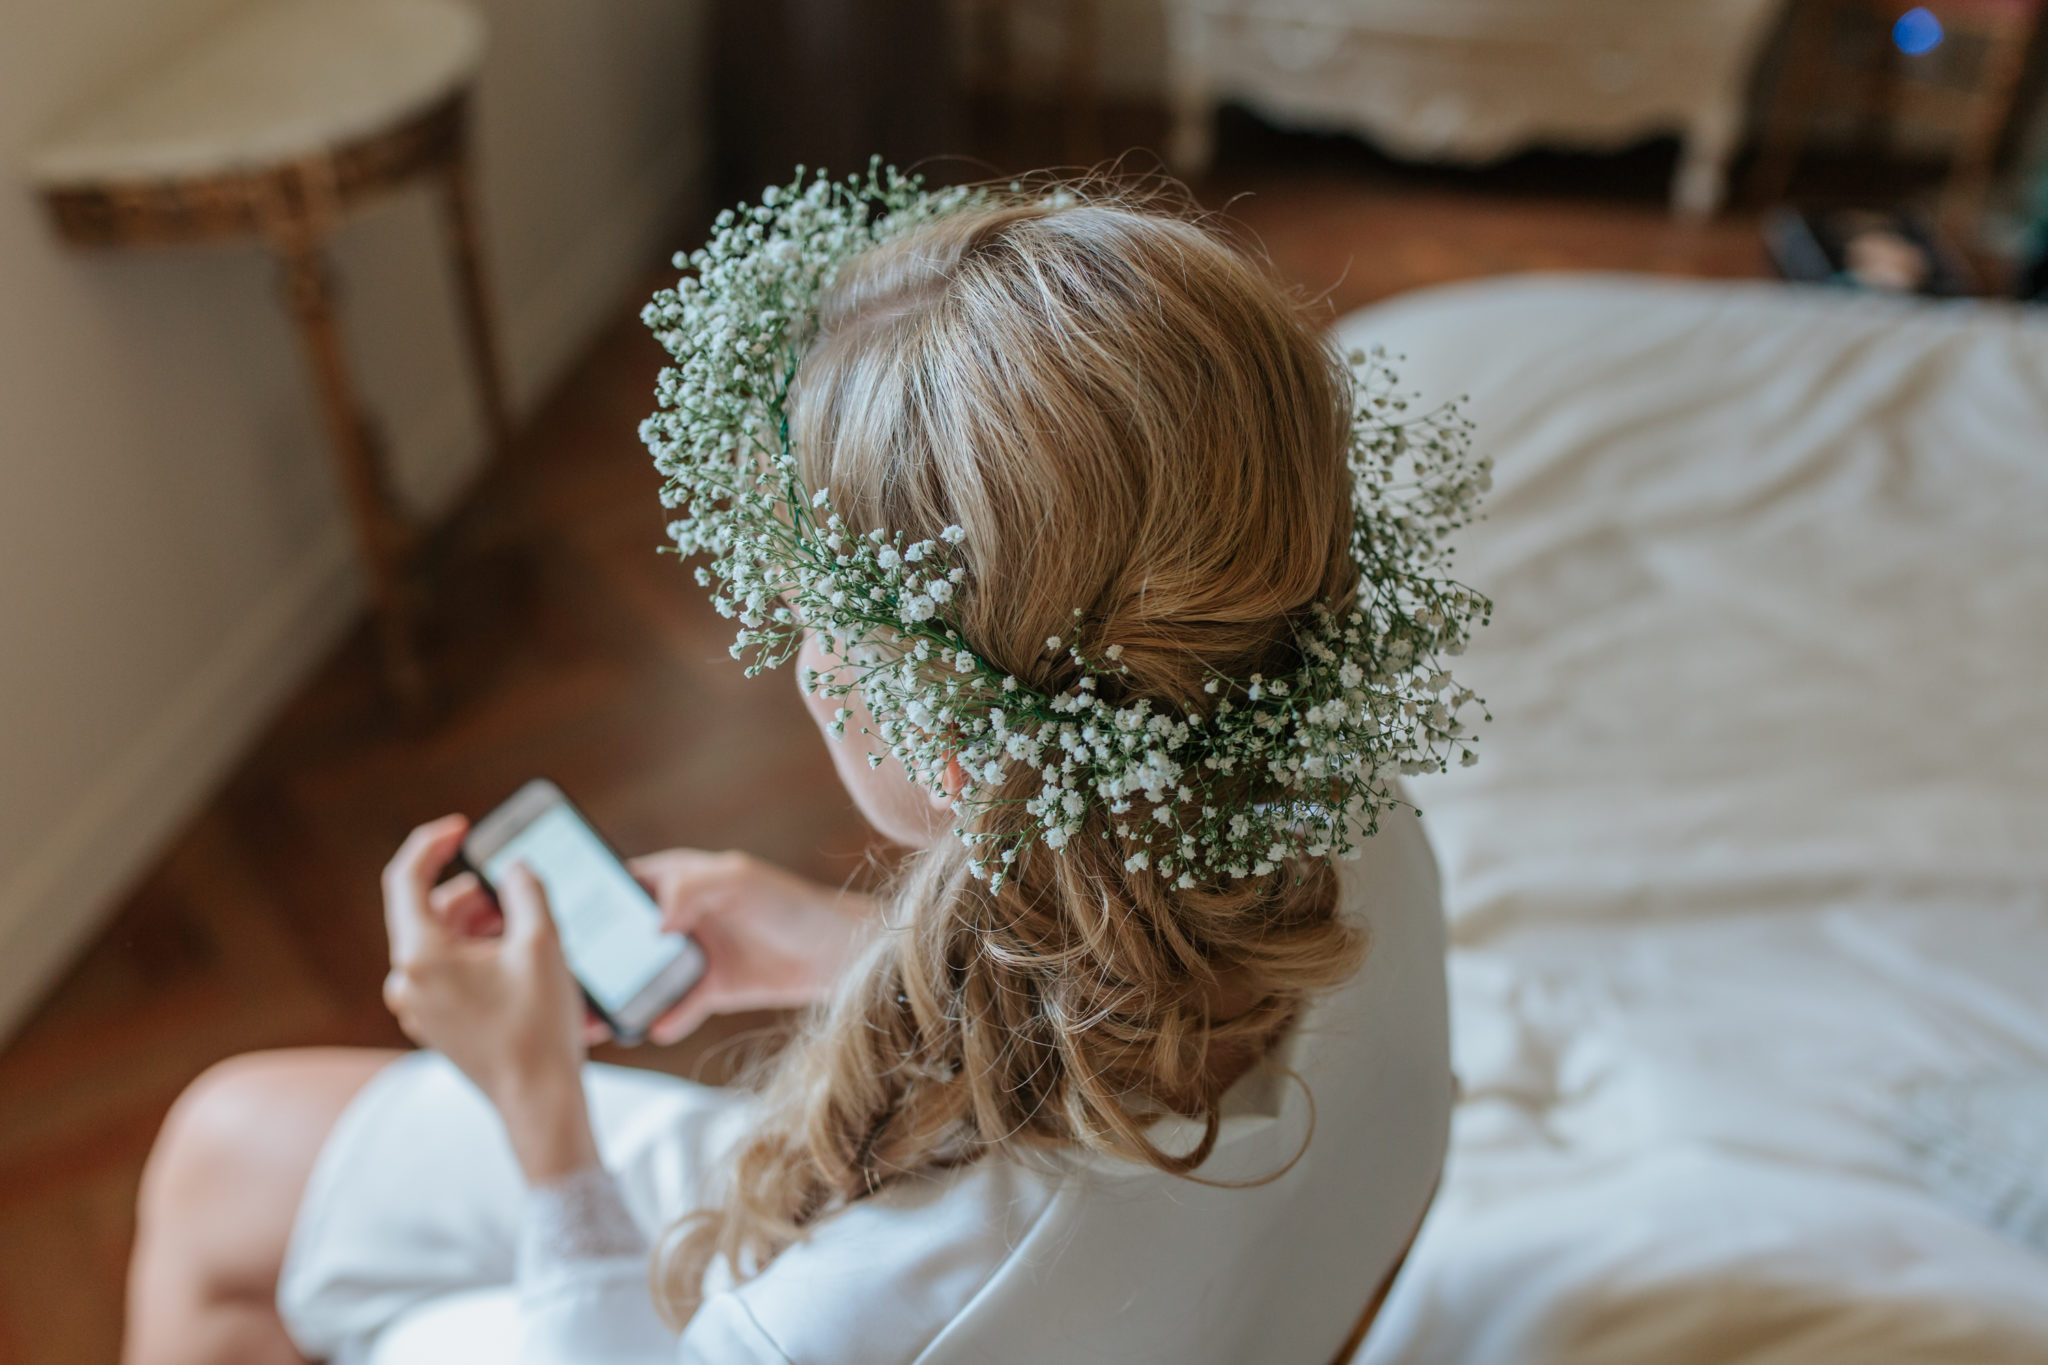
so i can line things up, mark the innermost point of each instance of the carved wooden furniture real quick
(1963, 86)
(272, 126)
(1473, 80)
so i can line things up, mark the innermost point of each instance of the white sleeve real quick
(583, 1293)
(583, 1289)
(725, 1332)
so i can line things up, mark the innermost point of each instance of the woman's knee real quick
(224, 1179)
(221, 1127)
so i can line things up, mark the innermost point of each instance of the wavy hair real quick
(1128, 417)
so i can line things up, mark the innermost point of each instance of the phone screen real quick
(609, 926)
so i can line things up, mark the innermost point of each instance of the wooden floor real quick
(566, 645)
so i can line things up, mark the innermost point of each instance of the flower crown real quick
(1275, 768)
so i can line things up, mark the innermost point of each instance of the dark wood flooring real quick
(565, 645)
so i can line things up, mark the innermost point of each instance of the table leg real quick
(1191, 145)
(1793, 102)
(1700, 182)
(384, 535)
(2008, 40)
(458, 204)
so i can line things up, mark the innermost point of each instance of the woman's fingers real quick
(464, 907)
(449, 895)
(409, 882)
(650, 868)
(525, 904)
(688, 884)
(674, 867)
(426, 851)
(682, 1019)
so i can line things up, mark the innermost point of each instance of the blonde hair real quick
(1128, 417)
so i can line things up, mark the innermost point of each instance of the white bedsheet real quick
(1760, 833)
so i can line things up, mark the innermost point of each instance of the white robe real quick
(408, 1243)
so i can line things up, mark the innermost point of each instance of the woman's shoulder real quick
(1392, 875)
(878, 1282)
(1392, 888)
(936, 1267)
(969, 1263)
(1379, 1045)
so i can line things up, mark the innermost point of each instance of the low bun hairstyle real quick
(1128, 417)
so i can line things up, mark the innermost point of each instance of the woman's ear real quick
(956, 782)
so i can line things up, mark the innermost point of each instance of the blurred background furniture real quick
(950, 86)
(829, 83)
(1953, 69)
(273, 126)
(1475, 80)
(992, 65)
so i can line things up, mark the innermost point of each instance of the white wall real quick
(173, 557)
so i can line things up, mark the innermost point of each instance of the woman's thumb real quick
(525, 904)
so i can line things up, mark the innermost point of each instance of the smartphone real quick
(631, 971)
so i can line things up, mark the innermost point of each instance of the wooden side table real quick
(273, 126)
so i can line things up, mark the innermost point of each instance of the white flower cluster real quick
(1273, 769)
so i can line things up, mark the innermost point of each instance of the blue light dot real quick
(1917, 31)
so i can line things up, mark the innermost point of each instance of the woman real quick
(1123, 1067)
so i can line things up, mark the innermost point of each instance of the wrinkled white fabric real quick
(403, 1251)
(1758, 845)
(1983, 1144)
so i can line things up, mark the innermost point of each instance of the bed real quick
(1753, 876)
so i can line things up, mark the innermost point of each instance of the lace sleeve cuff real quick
(573, 1222)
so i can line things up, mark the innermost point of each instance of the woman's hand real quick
(493, 996)
(771, 939)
